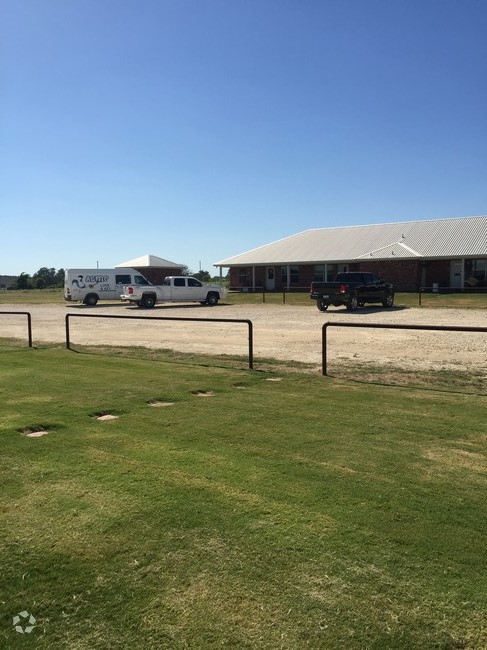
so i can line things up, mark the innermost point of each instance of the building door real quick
(270, 278)
(456, 274)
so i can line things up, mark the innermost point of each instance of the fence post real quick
(29, 328)
(323, 349)
(68, 343)
(251, 345)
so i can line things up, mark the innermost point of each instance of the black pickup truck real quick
(352, 290)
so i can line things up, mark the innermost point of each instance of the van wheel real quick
(91, 299)
(212, 299)
(148, 302)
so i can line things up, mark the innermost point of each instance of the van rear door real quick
(121, 280)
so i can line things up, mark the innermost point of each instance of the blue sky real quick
(198, 129)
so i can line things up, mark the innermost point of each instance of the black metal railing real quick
(29, 322)
(265, 292)
(437, 328)
(170, 318)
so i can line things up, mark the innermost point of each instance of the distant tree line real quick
(44, 278)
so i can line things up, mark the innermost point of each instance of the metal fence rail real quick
(29, 322)
(170, 318)
(268, 292)
(437, 328)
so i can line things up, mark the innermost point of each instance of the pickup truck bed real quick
(353, 290)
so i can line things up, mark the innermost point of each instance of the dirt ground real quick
(280, 331)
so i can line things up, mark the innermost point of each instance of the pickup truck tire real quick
(388, 300)
(322, 305)
(90, 299)
(352, 303)
(212, 299)
(148, 301)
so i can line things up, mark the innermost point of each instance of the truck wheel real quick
(91, 299)
(322, 305)
(388, 301)
(148, 302)
(352, 304)
(212, 299)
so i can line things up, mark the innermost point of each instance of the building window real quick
(479, 272)
(324, 273)
(320, 273)
(243, 275)
(293, 274)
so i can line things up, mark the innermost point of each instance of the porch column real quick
(253, 278)
(288, 273)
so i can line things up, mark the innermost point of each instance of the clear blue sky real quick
(198, 129)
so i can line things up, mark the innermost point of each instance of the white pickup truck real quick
(176, 288)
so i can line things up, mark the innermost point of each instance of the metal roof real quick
(438, 238)
(150, 261)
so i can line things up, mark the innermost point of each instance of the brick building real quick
(412, 254)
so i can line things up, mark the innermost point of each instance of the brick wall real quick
(405, 275)
(437, 271)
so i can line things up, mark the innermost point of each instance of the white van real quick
(91, 285)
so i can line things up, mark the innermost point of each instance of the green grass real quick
(306, 512)
(466, 301)
(31, 296)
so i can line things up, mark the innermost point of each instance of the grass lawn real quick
(307, 512)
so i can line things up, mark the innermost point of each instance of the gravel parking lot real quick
(280, 331)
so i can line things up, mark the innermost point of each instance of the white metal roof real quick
(149, 261)
(438, 238)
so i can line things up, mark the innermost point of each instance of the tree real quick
(45, 278)
(24, 281)
(59, 278)
(203, 276)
